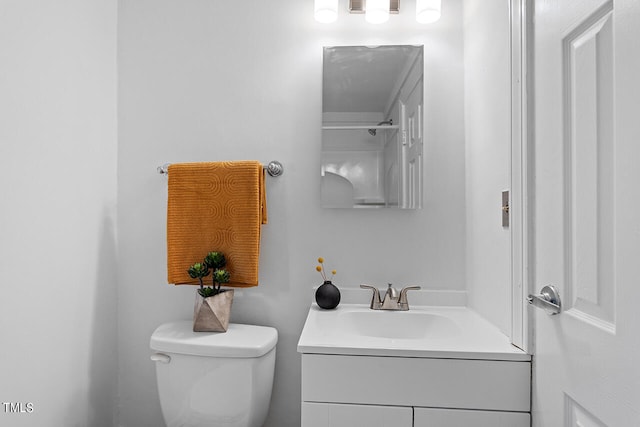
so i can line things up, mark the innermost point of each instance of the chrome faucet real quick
(391, 299)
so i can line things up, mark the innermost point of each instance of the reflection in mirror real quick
(372, 120)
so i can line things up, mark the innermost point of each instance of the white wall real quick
(488, 131)
(207, 80)
(57, 209)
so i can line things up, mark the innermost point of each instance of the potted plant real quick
(212, 309)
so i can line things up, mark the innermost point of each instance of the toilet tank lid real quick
(239, 340)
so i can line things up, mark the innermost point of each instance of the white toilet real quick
(214, 379)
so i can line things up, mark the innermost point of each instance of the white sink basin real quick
(423, 331)
(397, 324)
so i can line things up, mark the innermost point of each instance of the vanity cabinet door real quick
(343, 415)
(428, 417)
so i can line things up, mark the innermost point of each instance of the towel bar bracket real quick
(274, 168)
(164, 169)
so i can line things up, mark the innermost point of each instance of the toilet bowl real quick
(214, 379)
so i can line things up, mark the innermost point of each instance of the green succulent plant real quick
(198, 271)
(213, 261)
(221, 276)
(207, 292)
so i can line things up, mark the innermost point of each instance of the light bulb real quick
(326, 11)
(428, 11)
(377, 11)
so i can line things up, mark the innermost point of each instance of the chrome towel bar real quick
(274, 168)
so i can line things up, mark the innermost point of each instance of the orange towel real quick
(215, 206)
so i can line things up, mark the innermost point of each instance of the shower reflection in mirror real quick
(372, 127)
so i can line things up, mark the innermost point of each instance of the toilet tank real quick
(214, 379)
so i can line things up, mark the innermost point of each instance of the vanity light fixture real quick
(326, 11)
(360, 6)
(377, 11)
(428, 11)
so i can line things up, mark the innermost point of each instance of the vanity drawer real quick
(341, 415)
(442, 383)
(429, 417)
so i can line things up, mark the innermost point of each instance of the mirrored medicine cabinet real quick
(372, 127)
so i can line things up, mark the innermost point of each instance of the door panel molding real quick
(589, 169)
(577, 416)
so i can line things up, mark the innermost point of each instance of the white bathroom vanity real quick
(430, 366)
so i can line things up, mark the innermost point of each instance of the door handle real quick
(548, 299)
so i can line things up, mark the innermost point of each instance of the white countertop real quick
(455, 333)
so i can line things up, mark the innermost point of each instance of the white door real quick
(412, 148)
(587, 212)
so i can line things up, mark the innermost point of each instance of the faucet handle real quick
(375, 298)
(391, 292)
(402, 301)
